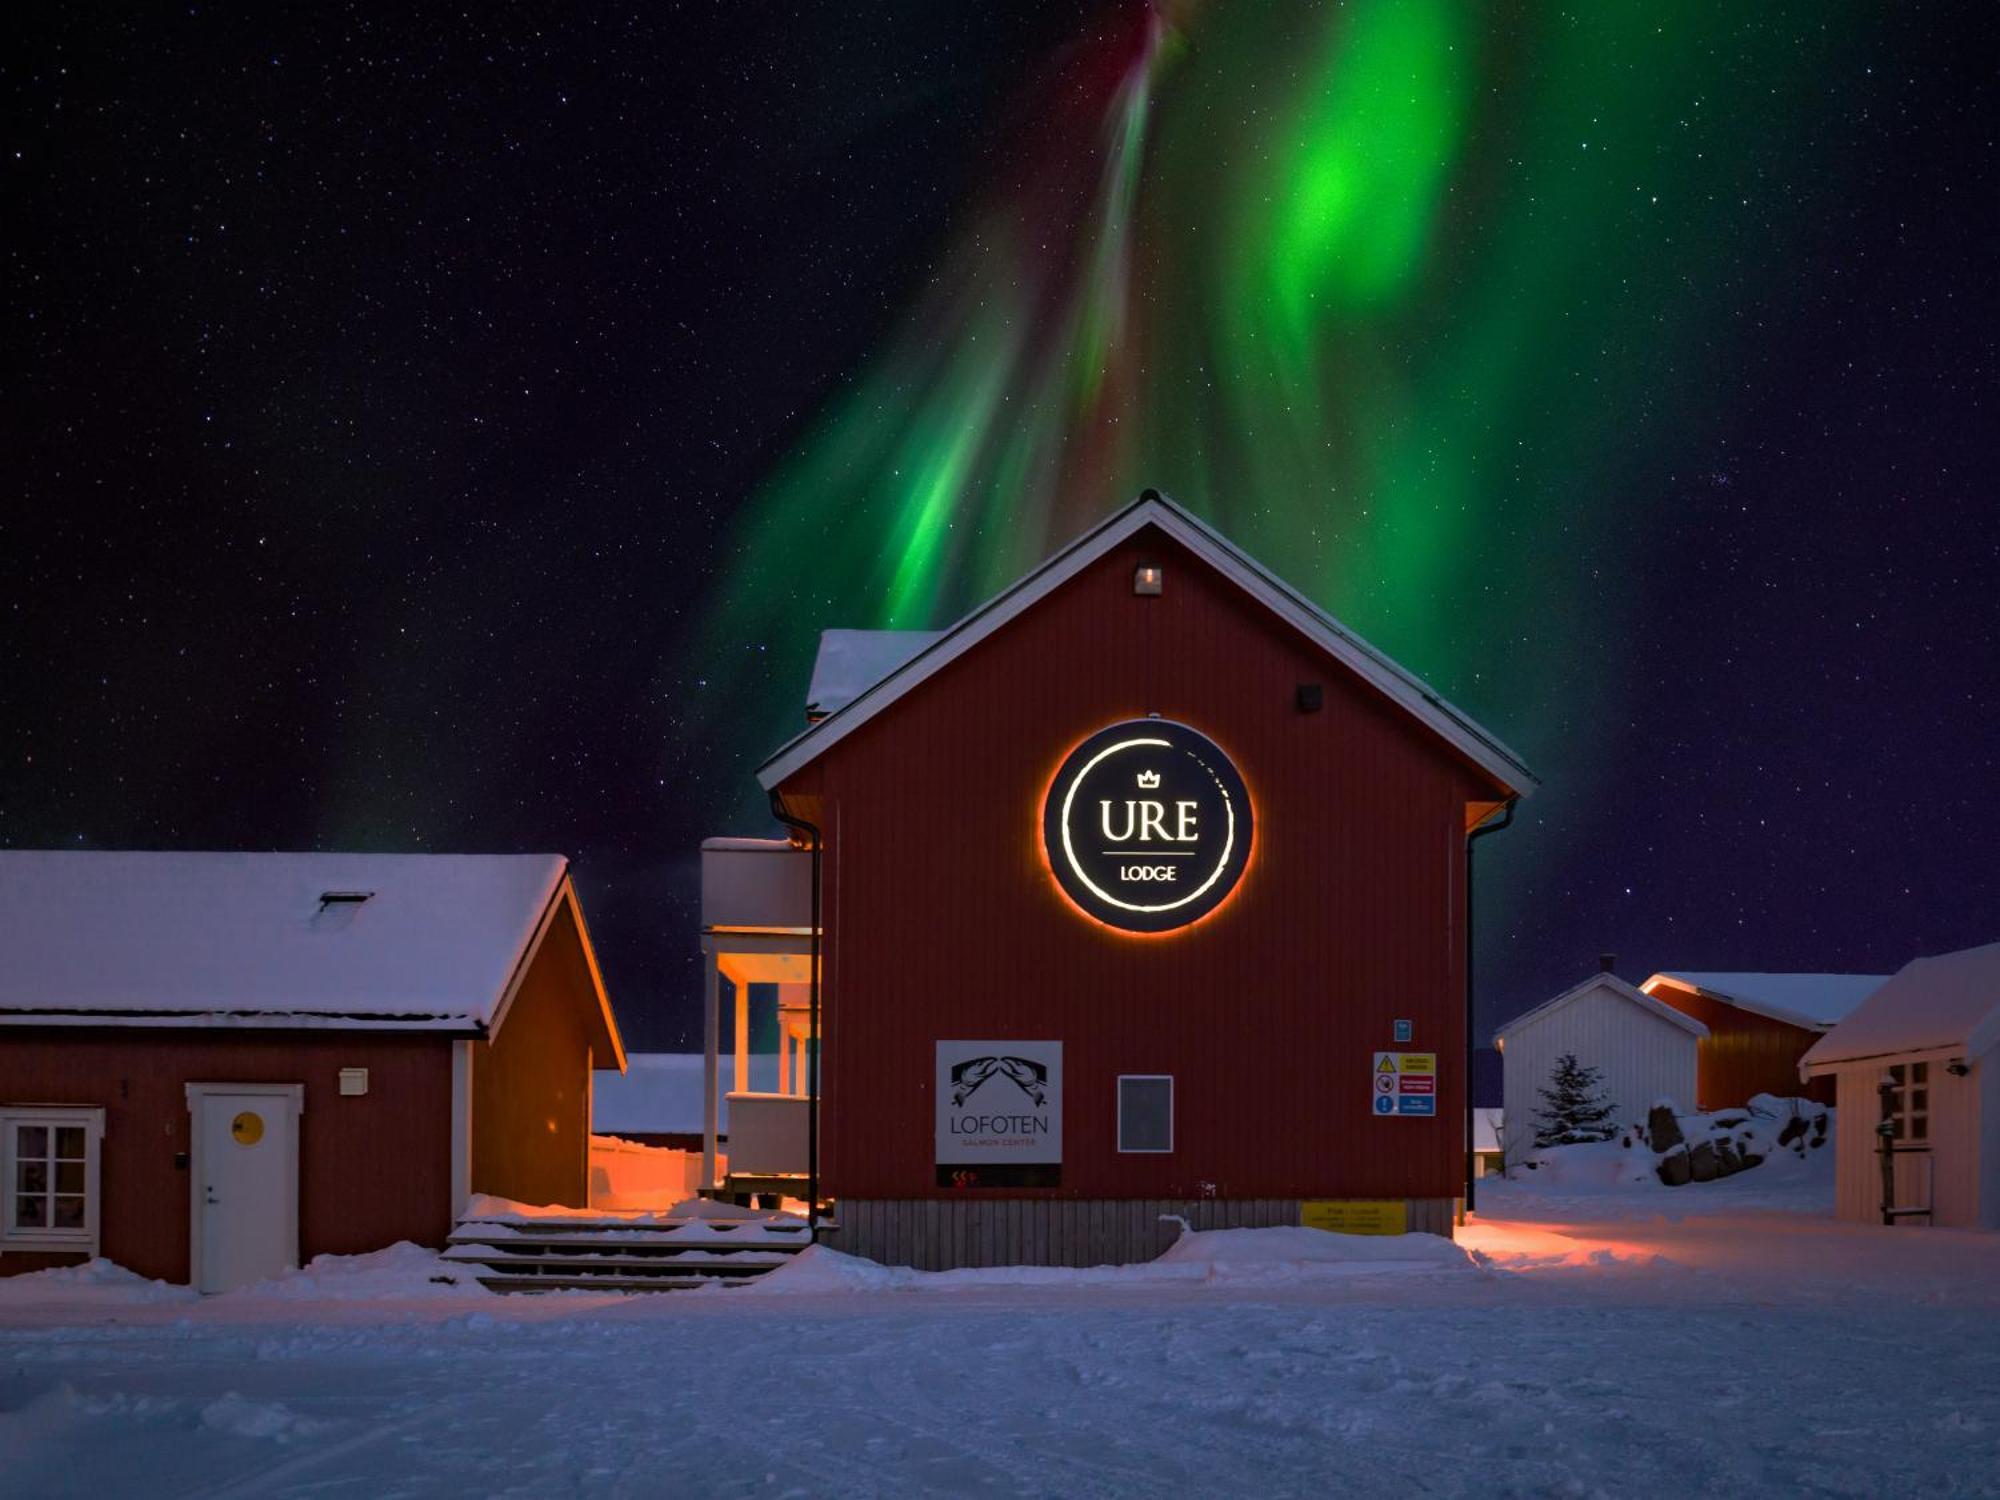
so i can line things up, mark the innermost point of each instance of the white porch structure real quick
(756, 928)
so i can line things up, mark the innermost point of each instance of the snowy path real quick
(1766, 1352)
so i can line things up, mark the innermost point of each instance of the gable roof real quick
(1949, 1004)
(1404, 688)
(1609, 984)
(405, 941)
(1814, 1001)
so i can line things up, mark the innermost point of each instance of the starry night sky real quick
(438, 431)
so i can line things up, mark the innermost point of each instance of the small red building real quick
(1759, 1026)
(1140, 890)
(216, 1066)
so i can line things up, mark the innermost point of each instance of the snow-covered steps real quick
(517, 1249)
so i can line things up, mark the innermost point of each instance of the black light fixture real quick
(1311, 697)
(1147, 578)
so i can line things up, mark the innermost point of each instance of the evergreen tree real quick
(1574, 1109)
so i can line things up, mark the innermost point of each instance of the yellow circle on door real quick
(247, 1128)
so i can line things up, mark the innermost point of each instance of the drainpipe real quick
(801, 826)
(1506, 820)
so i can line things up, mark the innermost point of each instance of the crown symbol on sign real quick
(1149, 780)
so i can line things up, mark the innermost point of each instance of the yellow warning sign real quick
(1405, 1085)
(1356, 1215)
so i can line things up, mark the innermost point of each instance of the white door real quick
(246, 1188)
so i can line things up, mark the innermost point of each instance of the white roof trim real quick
(563, 896)
(1402, 687)
(1617, 987)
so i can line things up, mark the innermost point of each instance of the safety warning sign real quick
(1404, 1083)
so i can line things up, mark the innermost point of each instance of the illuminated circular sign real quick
(1147, 825)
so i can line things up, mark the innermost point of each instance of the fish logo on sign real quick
(1030, 1077)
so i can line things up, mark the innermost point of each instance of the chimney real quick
(1607, 963)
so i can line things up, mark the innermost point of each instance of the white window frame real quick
(1168, 1080)
(1907, 1112)
(55, 1116)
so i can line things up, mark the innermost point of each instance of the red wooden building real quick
(216, 1066)
(1759, 1026)
(1140, 890)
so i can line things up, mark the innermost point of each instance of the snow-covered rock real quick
(1673, 1149)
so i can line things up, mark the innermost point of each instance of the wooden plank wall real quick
(938, 1234)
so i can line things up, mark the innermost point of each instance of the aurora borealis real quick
(437, 434)
(1354, 281)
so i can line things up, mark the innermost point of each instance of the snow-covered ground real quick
(1723, 1339)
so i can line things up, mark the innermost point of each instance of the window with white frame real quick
(1912, 1101)
(48, 1162)
(1145, 1112)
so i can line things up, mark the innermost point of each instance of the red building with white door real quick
(1129, 887)
(217, 1066)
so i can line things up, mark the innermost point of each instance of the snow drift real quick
(1224, 1257)
(100, 1281)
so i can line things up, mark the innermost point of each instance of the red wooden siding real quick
(1744, 1053)
(942, 920)
(373, 1169)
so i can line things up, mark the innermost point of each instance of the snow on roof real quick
(378, 937)
(850, 662)
(659, 1093)
(1610, 984)
(1949, 1003)
(1397, 683)
(1487, 1126)
(1816, 1001)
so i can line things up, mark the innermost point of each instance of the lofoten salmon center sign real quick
(1147, 825)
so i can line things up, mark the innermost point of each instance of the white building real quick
(1921, 1055)
(1643, 1049)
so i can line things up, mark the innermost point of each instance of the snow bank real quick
(817, 1269)
(1312, 1250)
(1223, 1257)
(400, 1272)
(97, 1280)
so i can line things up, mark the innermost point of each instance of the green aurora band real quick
(1398, 293)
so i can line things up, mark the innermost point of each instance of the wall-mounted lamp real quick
(1147, 579)
(1311, 697)
(1958, 1069)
